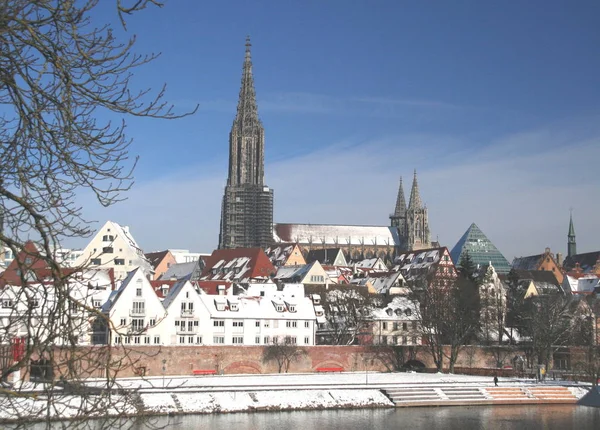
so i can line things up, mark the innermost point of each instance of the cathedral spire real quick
(415, 197)
(400, 201)
(571, 243)
(247, 110)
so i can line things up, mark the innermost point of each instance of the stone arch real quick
(245, 367)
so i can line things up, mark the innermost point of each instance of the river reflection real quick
(544, 417)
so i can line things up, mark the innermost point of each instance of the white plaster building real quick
(34, 310)
(397, 323)
(136, 313)
(114, 247)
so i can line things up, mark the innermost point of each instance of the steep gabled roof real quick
(586, 261)
(237, 265)
(156, 257)
(531, 262)
(326, 256)
(31, 262)
(481, 250)
(541, 276)
(279, 253)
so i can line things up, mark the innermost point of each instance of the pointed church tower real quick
(571, 244)
(398, 218)
(247, 209)
(417, 222)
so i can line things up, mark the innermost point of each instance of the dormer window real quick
(398, 312)
(292, 308)
(408, 312)
(220, 305)
(233, 307)
(389, 311)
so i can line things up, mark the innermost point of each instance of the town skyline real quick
(335, 143)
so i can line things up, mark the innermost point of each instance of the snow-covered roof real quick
(400, 308)
(581, 285)
(256, 307)
(342, 235)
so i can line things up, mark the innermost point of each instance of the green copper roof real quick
(481, 250)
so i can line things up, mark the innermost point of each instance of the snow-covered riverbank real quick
(247, 393)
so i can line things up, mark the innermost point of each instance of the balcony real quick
(185, 332)
(137, 312)
(136, 330)
(186, 313)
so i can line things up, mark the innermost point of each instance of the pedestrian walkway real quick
(456, 395)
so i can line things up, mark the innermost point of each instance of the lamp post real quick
(164, 369)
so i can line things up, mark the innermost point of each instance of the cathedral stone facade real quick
(412, 222)
(247, 208)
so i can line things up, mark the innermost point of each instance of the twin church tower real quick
(247, 207)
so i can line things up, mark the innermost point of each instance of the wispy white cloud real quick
(518, 189)
(311, 103)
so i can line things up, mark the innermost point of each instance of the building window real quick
(156, 340)
(152, 322)
(384, 325)
(395, 326)
(198, 340)
(404, 340)
(138, 292)
(237, 340)
(414, 340)
(119, 262)
(7, 304)
(137, 324)
(127, 340)
(266, 324)
(191, 339)
(306, 324)
(238, 323)
(181, 339)
(257, 340)
(117, 340)
(257, 323)
(291, 324)
(147, 340)
(306, 340)
(123, 321)
(404, 326)
(266, 340)
(219, 340)
(219, 323)
(107, 250)
(414, 325)
(108, 238)
(136, 340)
(96, 261)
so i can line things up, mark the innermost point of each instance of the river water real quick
(543, 417)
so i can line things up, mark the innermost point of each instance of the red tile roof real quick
(258, 265)
(30, 261)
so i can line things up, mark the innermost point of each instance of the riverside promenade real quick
(174, 395)
(399, 389)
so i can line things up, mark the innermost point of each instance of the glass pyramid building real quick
(481, 250)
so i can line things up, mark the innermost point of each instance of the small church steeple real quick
(398, 218)
(571, 243)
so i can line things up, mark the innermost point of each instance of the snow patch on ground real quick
(233, 401)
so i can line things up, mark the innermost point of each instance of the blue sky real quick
(496, 104)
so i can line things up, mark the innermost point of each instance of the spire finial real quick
(248, 46)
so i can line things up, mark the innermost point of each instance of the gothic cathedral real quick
(247, 208)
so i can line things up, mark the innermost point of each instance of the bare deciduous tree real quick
(283, 353)
(66, 90)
